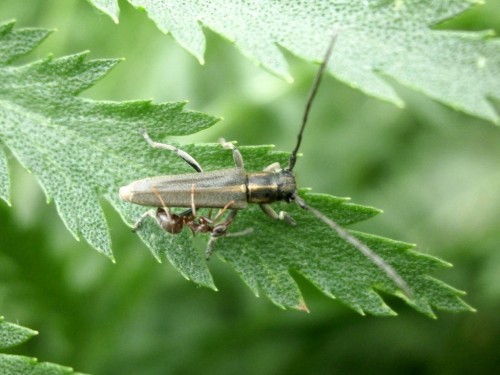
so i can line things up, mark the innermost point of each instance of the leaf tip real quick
(157, 257)
(302, 307)
(205, 282)
(7, 26)
(110, 9)
(104, 250)
(431, 315)
(7, 201)
(114, 17)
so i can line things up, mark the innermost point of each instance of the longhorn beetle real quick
(233, 189)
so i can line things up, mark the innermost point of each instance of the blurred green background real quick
(433, 171)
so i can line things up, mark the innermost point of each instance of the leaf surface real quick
(78, 149)
(378, 41)
(13, 334)
(81, 150)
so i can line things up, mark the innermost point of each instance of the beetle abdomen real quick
(209, 189)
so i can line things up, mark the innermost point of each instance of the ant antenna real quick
(310, 99)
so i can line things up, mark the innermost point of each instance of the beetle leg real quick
(183, 154)
(275, 167)
(193, 207)
(282, 215)
(238, 159)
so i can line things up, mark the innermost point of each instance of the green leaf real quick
(77, 148)
(13, 335)
(110, 7)
(81, 149)
(378, 39)
(269, 257)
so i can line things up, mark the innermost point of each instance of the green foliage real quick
(434, 172)
(80, 149)
(378, 41)
(12, 335)
(74, 146)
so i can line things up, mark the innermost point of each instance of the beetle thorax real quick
(269, 187)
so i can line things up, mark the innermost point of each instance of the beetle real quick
(233, 189)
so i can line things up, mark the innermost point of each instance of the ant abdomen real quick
(172, 224)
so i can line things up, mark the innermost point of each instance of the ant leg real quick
(210, 246)
(222, 210)
(142, 219)
(220, 230)
(183, 154)
(164, 206)
(238, 159)
(188, 212)
(282, 215)
(212, 240)
(240, 233)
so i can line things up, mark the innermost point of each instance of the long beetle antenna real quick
(358, 244)
(310, 99)
(341, 232)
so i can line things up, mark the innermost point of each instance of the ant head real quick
(219, 230)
